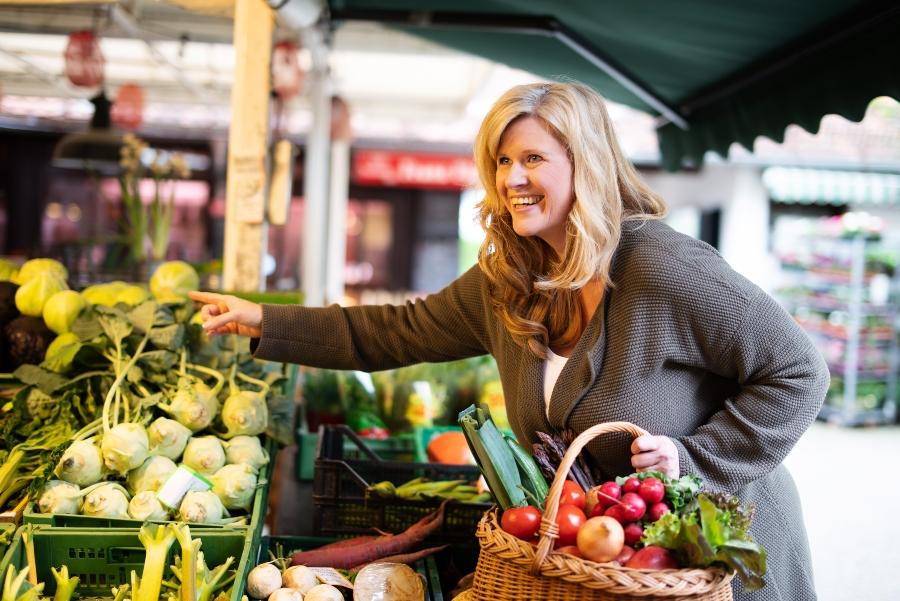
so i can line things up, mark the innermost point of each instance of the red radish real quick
(652, 557)
(603, 496)
(631, 485)
(633, 507)
(623, 557)
(657, 510)
(614, 512)
(652, 490)
(633, 533)
(601, 539)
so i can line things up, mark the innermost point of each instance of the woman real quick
(595, 311)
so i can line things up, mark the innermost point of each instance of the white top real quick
(552, 368)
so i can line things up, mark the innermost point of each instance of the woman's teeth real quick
(525, 201)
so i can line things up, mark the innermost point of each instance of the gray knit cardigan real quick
(681, 345)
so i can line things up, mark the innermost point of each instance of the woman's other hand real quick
(656, 453)
(226, 314)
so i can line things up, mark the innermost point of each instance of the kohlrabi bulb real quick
(205, 454)
(167, 437)
(152, 474)
(247, 450)
(81, 464)
(145, 506)
(235, 485)
(201, 508)
(191, 406)
(246, 413)
(58, 496)
(124, 447)
(108, 500)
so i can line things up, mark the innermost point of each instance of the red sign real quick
(128, 109)
(287, 76)
(84, 61)
(413, 170)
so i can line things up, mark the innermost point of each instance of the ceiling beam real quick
(129, 24)
(35, 71)
(524, 24)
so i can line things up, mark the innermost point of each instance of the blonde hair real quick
(534, 292)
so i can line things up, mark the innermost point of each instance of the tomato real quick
(569, 519)
(521, 522)
(572, 494)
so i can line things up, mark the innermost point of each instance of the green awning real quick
(822, 186)
(733, 69)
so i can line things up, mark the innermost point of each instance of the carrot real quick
(368, 551)
(407, 557)
(350, 542)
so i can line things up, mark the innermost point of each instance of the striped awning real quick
(822, 186)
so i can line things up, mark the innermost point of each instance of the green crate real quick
(400, 447)
(105, 558)
(426, 568)
(7, 532)
(257, 515)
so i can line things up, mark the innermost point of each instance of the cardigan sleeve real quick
(447, 325)
(743, 334)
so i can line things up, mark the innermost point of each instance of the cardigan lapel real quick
(581, 370)
(533, 415)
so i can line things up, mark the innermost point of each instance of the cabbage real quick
(81, 464)
(62, 309)
(205, 454)
(235, 486)
(124, 447)
(8, 270)
(131, 295)
(152, 474)
(201, 508)
(172, 281)
(247, 450)
(59, 497)
(192, 405)
(34, 294)
(167, 437)
(100, 294)
(107, 500)
(145, 506)
(245, 413)
(31, 269)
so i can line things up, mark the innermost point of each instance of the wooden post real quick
(245, 227)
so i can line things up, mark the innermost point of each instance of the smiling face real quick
(534, 181)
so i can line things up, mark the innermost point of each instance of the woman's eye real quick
(534, 158)
(503, 161)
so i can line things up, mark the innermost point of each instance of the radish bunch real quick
(634, 504)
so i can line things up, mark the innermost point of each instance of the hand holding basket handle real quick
(549, 530)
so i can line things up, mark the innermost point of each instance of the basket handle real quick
(549, 530)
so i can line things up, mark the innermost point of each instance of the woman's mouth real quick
(525, 201)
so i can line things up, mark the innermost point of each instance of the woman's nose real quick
(516, 176)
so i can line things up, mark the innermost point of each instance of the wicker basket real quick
(510, 569)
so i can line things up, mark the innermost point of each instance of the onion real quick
(326, 592)
(384, 581)
(299, 578)
(263, 580)
(286, 594)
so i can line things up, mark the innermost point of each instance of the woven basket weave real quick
(510, 569)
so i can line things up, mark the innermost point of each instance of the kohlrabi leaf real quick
(116, 328)
(159, 361)
(168, 337)
(46, 380)
(143, 316)
(86, 326)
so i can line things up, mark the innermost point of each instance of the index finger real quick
(205, 297)
(644, 443)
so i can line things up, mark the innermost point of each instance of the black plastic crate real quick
(343, 509)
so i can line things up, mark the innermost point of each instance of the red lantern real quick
(84, 61)
(287, 76)
(128, 108)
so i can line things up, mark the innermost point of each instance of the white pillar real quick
(337, 221)
(315, 173)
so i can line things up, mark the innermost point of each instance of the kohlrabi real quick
(205, 454)
(168, 437)
(247, 450)
(125, 447)
(202, 508)
(81, 464)
(145, 506)
(235, 486)
(194, 404)
(152, 474)
(106, 500)
(58, 496)
(245, 412)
